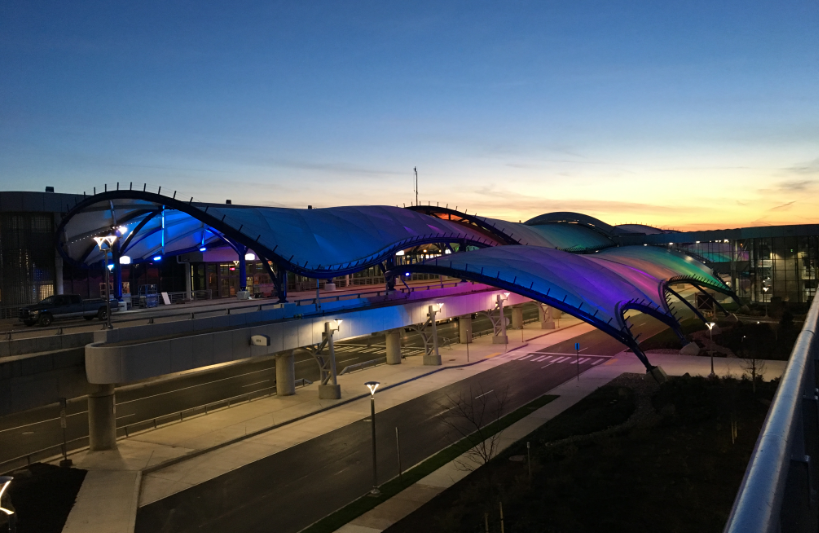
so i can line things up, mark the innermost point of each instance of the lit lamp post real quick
(5, 481)
(105, 244)
(373, 385)
(711, 346)
(765, 300)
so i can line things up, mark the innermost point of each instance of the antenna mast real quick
(416, 184)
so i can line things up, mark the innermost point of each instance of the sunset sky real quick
(693, 114)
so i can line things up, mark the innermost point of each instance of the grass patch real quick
(389, 489)
(43, 495)
(680, 474)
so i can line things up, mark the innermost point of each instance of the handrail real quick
(782, 462)
(191, 315)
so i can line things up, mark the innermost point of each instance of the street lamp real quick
(765, 301)
(105, 244)
(711, 346)
(373, 385)
(5, 481)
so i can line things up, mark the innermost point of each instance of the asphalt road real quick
(137, 405)
(292, 489)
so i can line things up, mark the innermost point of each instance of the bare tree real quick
(472, 414)
(752, 365)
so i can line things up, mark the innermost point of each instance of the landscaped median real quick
(391, 488)
(674, 465)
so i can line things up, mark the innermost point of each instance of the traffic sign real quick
(577, 346)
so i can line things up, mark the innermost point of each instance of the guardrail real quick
(191, 315)
(123, 432)
(778, 492)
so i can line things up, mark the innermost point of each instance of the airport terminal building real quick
(191, 249)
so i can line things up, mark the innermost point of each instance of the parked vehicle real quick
(63, 306)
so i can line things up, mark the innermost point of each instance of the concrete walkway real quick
(569, 393)
(177, 456)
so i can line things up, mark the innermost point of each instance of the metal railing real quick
(191, 315)
(125, 431)
(778, 492)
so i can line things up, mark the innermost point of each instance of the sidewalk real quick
(569, 393)
(181, 455)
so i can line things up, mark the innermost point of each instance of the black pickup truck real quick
(62, 306)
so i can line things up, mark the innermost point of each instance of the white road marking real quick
(251, 384)
(582, 359)
(484, 394)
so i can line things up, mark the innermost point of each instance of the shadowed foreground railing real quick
(778, 492)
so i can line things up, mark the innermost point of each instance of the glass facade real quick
(766, 269)
(26, 260)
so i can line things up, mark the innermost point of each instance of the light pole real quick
(711, 346)
(373, 385)
(105, 244)
(5, 481)
(764, 300)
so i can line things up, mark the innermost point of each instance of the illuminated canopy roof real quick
(577, 284)
(312, 242)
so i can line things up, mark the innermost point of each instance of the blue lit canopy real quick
(314, 242)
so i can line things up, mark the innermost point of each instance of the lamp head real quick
(109, 239)
(372, 385)
(711, 325)
(338, 323)
(765, 289)
(5, 481)
(439, 306)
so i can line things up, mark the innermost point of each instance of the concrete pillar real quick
(285, 375)
(394, 347)
(332, 390)
(58, 273)
(544, 314)
(242, 269)
(188, 282)
(517, 318)
(465, 329)
(102, 418)
(501, 338)
(433, 359)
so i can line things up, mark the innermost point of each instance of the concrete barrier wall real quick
(107, 364)
(30, 381)
(47, 343)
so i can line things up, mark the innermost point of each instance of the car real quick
(63, 306)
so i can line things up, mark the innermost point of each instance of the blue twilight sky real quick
(678, 114)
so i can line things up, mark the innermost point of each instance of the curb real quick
(191, 455)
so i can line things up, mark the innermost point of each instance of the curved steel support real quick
(248, 241)
(687, 304)
(620, 333)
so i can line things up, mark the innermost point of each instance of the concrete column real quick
(188, 282)
(433, 359)
(285, 375)
(332, 390)
(465, 329)
(102, 419)
(394, 347)
(517, 318)
(242, 269)
(544, 314)
(501, 338)
(58, 273)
